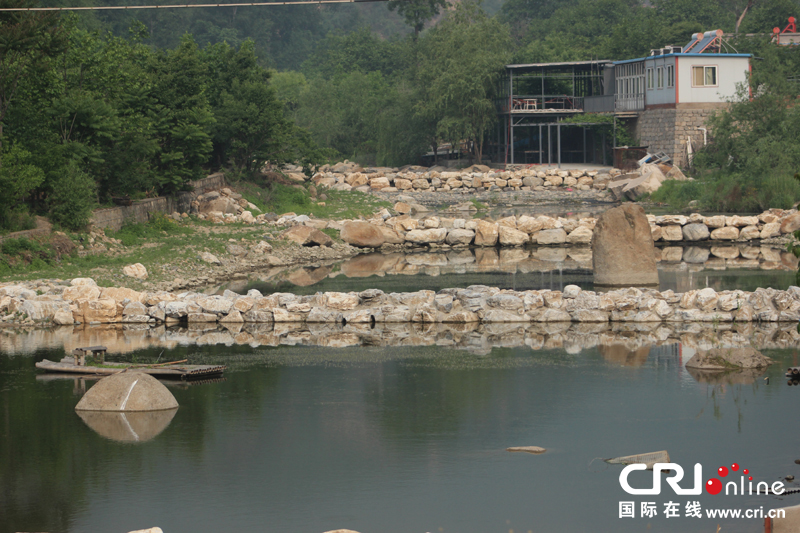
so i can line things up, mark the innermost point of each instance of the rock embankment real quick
(440, 231)
(82, 301)
(475, 179)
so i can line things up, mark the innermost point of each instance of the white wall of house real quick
(730, 71)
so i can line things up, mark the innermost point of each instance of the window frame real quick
(670, 76)
(704, 67)
(649, 79)
(659, 78)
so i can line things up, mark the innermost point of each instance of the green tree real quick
(72, 198)
(182, 115)
(28, 40)
(417, 12)
(289, 87)
(461, 61)
(18, 177)
(344, 113)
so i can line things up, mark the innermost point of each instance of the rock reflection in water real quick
(473, 337)
(625, 355)
(128, 427)
(745, 376)
(734, 266)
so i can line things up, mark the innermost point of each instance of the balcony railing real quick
(522, 104)
(629, 102)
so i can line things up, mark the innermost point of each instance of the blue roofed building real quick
(664, 100)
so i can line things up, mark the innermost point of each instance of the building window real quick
(704, 76)
(670, 76)
(660, 77)
(649, 78)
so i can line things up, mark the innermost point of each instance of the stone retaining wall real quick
(84, 302)
(115, 217)
(438, 231)
(385, 180)
(666, 130)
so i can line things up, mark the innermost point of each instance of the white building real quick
(669, 95)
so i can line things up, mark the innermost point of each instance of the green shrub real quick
(72, 199)
(18, 177)
(28, 250)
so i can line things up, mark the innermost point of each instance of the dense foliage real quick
(105, 104)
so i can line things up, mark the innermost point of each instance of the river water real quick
(403, 428)
(394, 438)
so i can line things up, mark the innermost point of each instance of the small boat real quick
(77, 364)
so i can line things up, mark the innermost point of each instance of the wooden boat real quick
(175, 371)
(76, 364)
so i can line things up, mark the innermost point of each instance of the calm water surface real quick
(305, 439)
(535, 268)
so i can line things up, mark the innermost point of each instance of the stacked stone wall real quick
(666, 130)
(114, 217)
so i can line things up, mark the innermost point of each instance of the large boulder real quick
(362, 234)
(551, 236)
(722, 359)
(307, 236)
(426, 236)
(646, 184)
(136, 270)
(486, 233)
(622, 248)
(463, 237)
(695, 232)
(512, 237)
(791, 223)
(127, 391)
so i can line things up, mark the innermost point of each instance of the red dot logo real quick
(713, 486)
(722, 471)
(750, 478)
(746, 471)
(735, 467)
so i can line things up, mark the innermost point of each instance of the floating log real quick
(175, 371)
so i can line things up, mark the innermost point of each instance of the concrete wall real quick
(115, 217)
(667, 130)
(730, 72)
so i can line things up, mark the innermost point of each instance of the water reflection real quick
(744, 376)
(621, 341)
(624, 355)
(128, 427)
(723, 267)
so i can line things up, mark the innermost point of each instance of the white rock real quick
(210, 258)
(83, 281)
(136, 270)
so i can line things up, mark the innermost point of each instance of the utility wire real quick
(179, 6)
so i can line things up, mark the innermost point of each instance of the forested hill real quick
(285, 36)
(95, 105)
